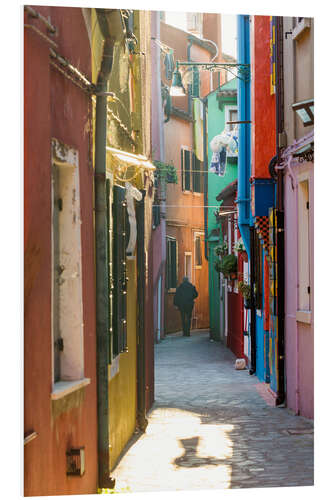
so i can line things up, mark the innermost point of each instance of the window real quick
(188, 265)
(191, 170)
(186, 169)
(156, 216)
(303, 247)
(231, 115)
(172, 263)
(67, 310)
(197, 247)
(197, 177)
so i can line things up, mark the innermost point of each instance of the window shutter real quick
(109, 260)
(182, 168)
(187, 169)
(196, 174)
(195, 82)
(119, 272)
(198, 258)
(173, 264)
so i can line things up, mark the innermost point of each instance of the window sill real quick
(65, 387)
(304, 316)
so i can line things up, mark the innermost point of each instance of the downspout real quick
(205, 132)
(244, 112)
(253, 305)
(244, 169)
(102, 293)
(280, 214)
(141, 290)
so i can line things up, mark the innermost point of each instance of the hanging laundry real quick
(169, 64)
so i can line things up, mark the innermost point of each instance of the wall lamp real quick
(241, 71)
(305, 111)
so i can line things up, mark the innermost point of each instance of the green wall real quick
(216, 124)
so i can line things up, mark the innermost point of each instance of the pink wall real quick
(54, 107)
(299, 337)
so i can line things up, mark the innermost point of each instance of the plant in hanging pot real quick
(245, 290)
(221, 249)
(228, 266)
(239, 247)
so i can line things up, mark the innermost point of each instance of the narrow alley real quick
(212, 427)
(168, 191)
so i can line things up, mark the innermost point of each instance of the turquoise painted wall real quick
(215, 125)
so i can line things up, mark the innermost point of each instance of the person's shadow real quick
(190, 457)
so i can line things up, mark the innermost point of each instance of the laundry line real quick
(194, 206)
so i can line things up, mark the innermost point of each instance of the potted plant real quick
(228, 266)
(245, 290)
(239, 247)
(222, 249)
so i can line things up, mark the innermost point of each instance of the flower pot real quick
(233, 276)
(244, 255)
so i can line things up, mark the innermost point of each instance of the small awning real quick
(128, 167)
(130, 159)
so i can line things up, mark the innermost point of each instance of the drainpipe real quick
(141, 318)
(102, 293)
(253, 305)
(205, 132)
(280, 213)
(244, 112)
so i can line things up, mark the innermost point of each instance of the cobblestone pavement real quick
(210, 428)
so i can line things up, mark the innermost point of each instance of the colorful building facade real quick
(60, 381)
(183, 139)
(221, 108)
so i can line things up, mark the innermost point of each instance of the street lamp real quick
(305, 111)
(241, 71)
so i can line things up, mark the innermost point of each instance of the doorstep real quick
(267, 393)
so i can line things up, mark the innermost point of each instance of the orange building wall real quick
(183, 223)
(263, 112)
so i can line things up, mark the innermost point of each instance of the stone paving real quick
(210, 428)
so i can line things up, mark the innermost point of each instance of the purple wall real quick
(299, 336)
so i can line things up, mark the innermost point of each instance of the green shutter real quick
(187, 170)
(109, 260)
(173, 264)
(119, 271)
(182, 168)
(195, 82)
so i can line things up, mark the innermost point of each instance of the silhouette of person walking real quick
(184, 300)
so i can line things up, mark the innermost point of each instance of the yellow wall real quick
(122, 387)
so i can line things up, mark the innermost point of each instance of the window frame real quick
(66, 231)
(171, 289)
(197, 235)
(304, 285)
(183, 150)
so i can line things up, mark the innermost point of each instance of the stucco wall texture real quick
(60, 104)
(263, 111)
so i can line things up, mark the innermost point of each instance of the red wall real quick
(54, 107)
(263, 111)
